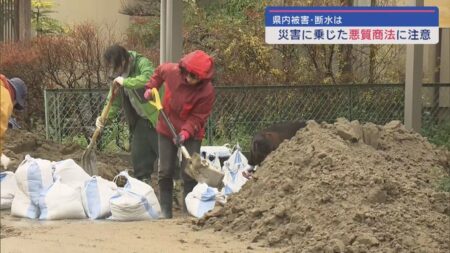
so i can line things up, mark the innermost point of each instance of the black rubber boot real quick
(187, 188)
(165, 197)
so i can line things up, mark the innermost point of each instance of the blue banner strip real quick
(352, 16)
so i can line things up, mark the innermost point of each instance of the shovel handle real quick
(156, 102)
(105, 112)
(185, 152)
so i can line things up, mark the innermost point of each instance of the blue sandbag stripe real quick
(42, 205)
(2, 176)
(34, 179)
(207, 202)
(93, 199)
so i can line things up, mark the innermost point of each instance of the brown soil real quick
(20, 143)
(345, 187)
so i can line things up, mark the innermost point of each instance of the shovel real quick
(89, 159)
(196, 168)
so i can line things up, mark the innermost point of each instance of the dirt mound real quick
(20, 143)
(345, 187)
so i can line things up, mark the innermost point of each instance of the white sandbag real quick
(70, 173)
(136, 201)
(8, 187)
(32, 177)
(61, 201)
(233, 179)
(96, 194)
(129, 206)
(213, 154)
(22, 207)
(201, 200)
(219, 151)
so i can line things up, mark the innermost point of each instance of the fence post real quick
(350, 103)
(413, 83)
(444, 97)
(58, 119)
(46, 114)
(209, 134)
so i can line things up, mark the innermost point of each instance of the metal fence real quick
(240, 111)
(70, 117)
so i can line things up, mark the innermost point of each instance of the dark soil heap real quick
(20, 143)
(345, 187)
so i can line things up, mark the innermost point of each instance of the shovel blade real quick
(203, 172)
(89, 161)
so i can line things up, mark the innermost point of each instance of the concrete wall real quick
(99, 11)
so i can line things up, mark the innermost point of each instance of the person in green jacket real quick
(131, 71)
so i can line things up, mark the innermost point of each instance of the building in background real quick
(15, 20)
(101, 12)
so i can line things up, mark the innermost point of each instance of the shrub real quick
(438, 134)
(72, 60)
(75, 60)
(22, 60)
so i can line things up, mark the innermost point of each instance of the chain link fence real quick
(241, 111)
(70, 117)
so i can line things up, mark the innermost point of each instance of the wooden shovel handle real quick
(105, 112)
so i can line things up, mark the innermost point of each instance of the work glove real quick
(148, 95)
(4, 160)
(99, 123)
(181, 138)
(119, 80)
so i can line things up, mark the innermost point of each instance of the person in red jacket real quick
(188, 101)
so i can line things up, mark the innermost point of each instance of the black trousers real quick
(143, 140)
(144, 148)
(168, 162)
(168, 167)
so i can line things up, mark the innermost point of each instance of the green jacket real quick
(134, 84)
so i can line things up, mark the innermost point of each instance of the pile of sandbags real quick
(63, 190)
(203, 198)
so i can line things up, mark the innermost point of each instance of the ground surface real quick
(176, 235)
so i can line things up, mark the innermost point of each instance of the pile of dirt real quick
(20, 143)
(344, 187)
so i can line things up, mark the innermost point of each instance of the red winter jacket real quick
(187, 106)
